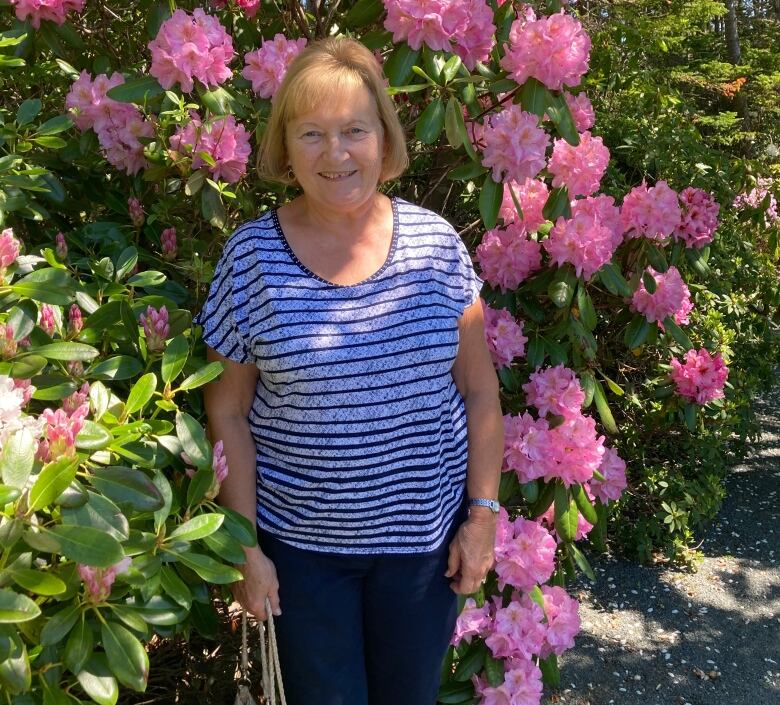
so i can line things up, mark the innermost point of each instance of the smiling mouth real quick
(336, 175)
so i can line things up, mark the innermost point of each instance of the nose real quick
(334, 146)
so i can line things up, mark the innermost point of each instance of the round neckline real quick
(306, 270)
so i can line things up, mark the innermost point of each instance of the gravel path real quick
(653, 635)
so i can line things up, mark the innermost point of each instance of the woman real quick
(359, 406)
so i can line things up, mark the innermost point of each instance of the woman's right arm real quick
(228, 402)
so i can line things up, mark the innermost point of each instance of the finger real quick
(273, 596)
(453, 560)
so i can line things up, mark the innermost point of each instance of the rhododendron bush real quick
(129, 133)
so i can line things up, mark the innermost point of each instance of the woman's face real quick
(336, 150)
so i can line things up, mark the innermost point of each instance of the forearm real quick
(486, 444)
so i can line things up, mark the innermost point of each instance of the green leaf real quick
(455, 692)
(199, 486)
(164, 488)
(100, 513)
(59, 624)
(52, 481)
(566, 515)
(66, 351)
(698, 262)
(15, 670)
(55, 125)
(222, 544)
(174, 358)
(586, 308)
(16, 608)
(636, 332)
(362, 13)
(471, 662)
(656, 259)
(490, 197)
(614, 387)
(78, 648)
(197, 528)
(649, 281)
(136, 90)
(210, 570)
(128, 487)
(398, 67)
(239, 527)
(559, 113)
(534, 97)
(588, 383)
(126, 656)
(27, 366)
(536, 352)
(99, 398)
(86, 545)
(602, 407)
(92, 437)
(141, 393)
(17, 458)
(561, 291)
(115, 368)
(494, 670)
(467, 172)
(612, 278)
(546, 497)
(50, 142)
(193, 440)
(451, 68)
(202, 376)
(454, 135)
(583, 504)
(128, 258)
(690, 413)
(9, 494)
(50, 286)
(212, 208)
(97, 681)
(161, 612)
(27, 111)
(175, 586)
(582, 562)
(557, 204)
(550, 673)
(147, 278)
(38, 581)
(431, 122)
(677, 333)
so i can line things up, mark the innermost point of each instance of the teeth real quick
(336, 175)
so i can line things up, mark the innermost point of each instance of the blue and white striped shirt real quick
(360, 430)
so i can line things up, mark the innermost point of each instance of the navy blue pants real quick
(362, 630)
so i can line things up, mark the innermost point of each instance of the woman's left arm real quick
(471, 551)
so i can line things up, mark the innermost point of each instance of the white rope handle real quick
(269, 658)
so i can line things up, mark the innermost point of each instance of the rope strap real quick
(269, 663)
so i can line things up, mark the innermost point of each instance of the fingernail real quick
(277, 613)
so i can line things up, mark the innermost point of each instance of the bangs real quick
(319, 86)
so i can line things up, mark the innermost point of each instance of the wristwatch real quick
(491, 504)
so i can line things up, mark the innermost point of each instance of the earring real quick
(290, 174)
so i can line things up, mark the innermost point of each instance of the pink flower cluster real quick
(119, 126)
(581, 110)
(525, 553)
(579, 168)
(613, 468)
(47, 319)
(755, 199)
(9, 251)
(589, 238)
(555, 390)
(699, 218)
(532, 195)
(61, 430)
(522, 685)
(507, 256)
(75, 321)
(250, 7)
(671, 297)
(515, 145)
(223, 139)
(219, 462)
(135, 211)
(13, 397)
(168, 244)
(60, 247)
(191, 46)
(156, 328)
(651, 212)
(461, 26)
(701, 377)
(472, 621)
(266, 66)
(8, 343)
(77, 399)
(51, 10)
(554, 50)
(98, 581)
(504, 336)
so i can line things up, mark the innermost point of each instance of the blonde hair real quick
(313, 77)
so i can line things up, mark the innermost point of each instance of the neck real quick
(349, 222)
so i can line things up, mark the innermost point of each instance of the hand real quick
(259, 582)
(471, 554)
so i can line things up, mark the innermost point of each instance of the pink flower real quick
(504, 336)
(168, 244)
(563, 621)
(670, 296)
(9, 251)
(472, 621)
(156, 328)
(75, 368)
(75, 321)
(191, 46)
(515, 145)
(61, 431)
(613, 468)
(756, 197)
(699, 218)
(701, 378)
(524, 557)
(8, 344)
(651, 212)
(219, 462)
(225, 140)
(119, 126)
(98, 581)
(555, 390)
(508, 256)
(517, 630)
(47, 320)
(461, 26)
(60, 247)
(136, 211)
(27, 389)
(250, 7)
(51, 10)
(532, 195)
(581, 110)
(554, 50)
(266, 66)
(73, 402)
(579, 168)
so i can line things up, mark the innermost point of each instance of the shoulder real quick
(414, 218)
(247, 235)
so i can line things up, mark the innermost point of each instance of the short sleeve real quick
(218, 316)
(472, 284)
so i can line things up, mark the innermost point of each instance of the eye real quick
(311, 133)
(356, 130)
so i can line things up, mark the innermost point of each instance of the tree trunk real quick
(732, 35)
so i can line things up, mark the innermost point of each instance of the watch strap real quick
(491, 504)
